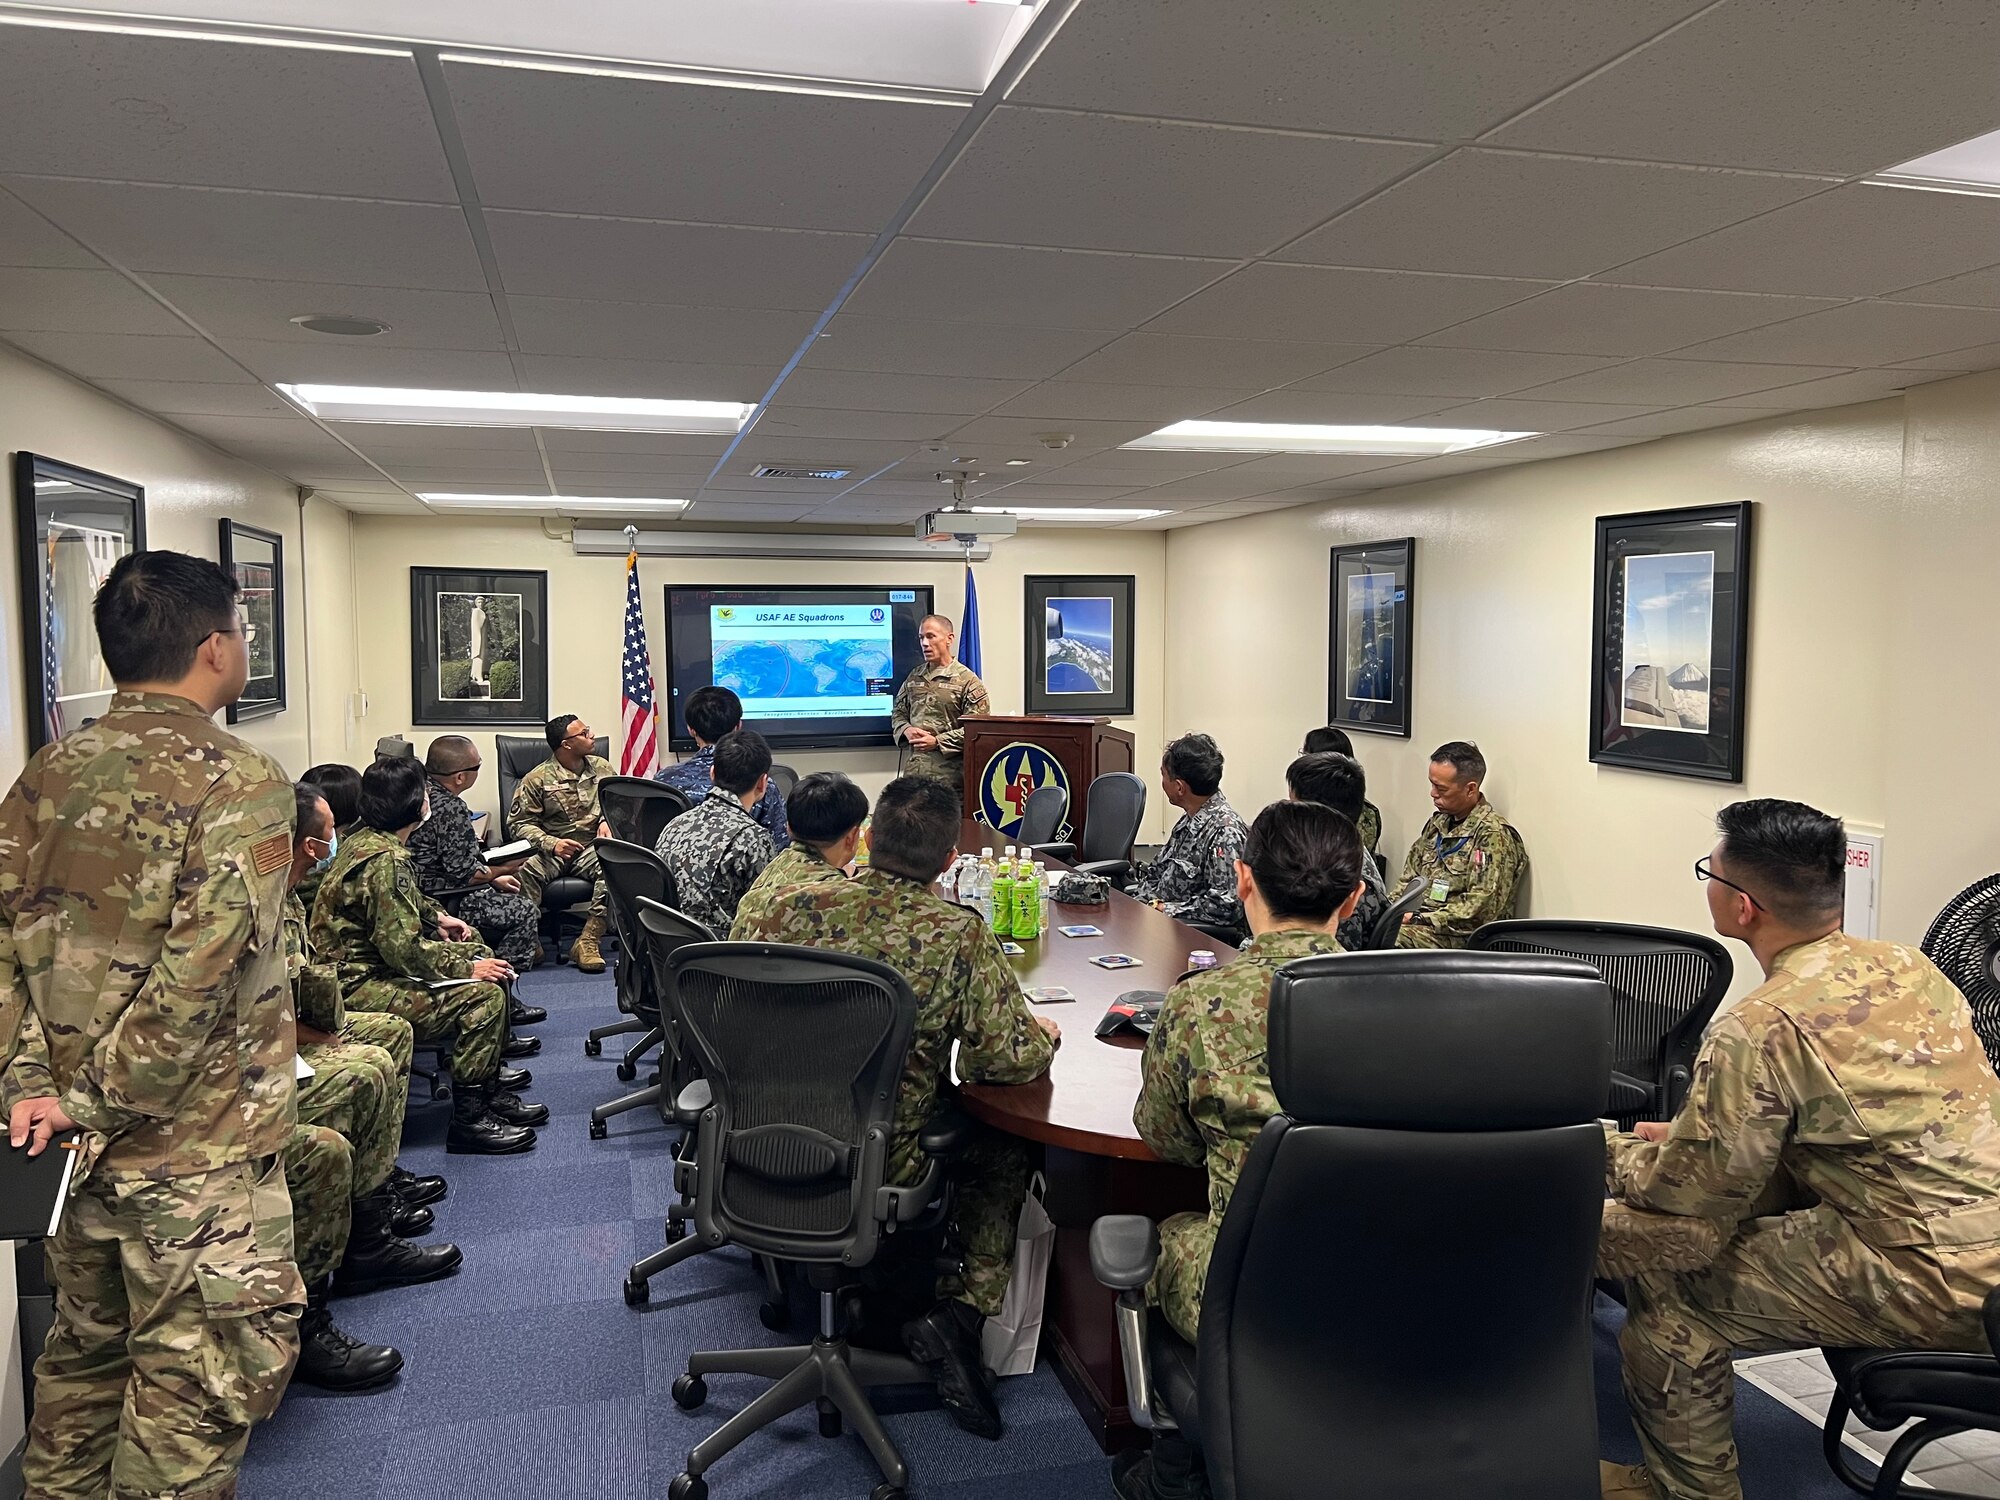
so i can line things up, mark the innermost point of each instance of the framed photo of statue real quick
(71, 526)
(479, 646)
(1669, 641)
(1368, 649)
(256, 560)
(1079, 644)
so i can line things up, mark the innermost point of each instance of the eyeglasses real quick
(1703, 872)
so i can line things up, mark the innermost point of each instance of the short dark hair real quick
(558, 729)
(1194, 758)
(916, 826)
(1329, 738)
(742, 757)
(1793, 857)
(1332, 780)
(450, 753)
(824, 808)
(392, 794)
(306, 799)
(155, 610)
(712, 712)
(1463, 757)
(341, 786)
(1306, 859)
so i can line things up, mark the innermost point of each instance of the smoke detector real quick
(341, 325)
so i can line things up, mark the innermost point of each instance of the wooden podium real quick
(1008, 756)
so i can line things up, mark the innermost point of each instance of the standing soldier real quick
(555, 809)
(1469, 857)
(933, 704)
(143, 998)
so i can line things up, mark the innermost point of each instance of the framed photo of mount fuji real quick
(1079, 645)
(1670, 639)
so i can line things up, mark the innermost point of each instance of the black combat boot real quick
(521, 1046)
(517, 1111)
(945, 1341)
(377, 1258)
(525, 1015)
(513, 1080)
(476, 1130)
(414, 1190)
(332, 1361)
(1170, 1470)
(409, 1223)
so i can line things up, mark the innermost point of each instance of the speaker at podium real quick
(1009, 756)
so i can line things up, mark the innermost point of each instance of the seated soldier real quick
(966, 993)
(374, 925)
(1205, 1088)
(555, 808)
(1852, 1082)
(1469, 857)
(716, 850)
(1337, 781)
(825, 812)
(1194, 878)
(1332, 739)
(713, 712)
(341, 787)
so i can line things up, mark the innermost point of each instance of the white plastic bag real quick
(1007, 1343)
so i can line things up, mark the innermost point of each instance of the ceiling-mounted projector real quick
(963, 527)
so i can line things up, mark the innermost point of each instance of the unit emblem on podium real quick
(1015, 771)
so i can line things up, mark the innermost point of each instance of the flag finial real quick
(631, 539)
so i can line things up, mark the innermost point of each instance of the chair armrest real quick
(1113, 870)
(692, 1102)
(1124, 1249)
(1064, 852)
(946, 1133)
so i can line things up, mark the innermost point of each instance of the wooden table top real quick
(1085, 1102)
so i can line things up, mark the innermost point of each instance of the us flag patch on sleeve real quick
(270, 855)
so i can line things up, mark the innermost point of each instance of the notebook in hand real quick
(519, 849)
(34, 1189)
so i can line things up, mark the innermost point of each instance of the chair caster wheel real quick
(885, 1492)
(599, 1129)
(689, 1392)
(626, 1072)
(829, 1422)
(694, 1487)
(637, 1292)
(676, 1231)
(777, 1316)
(592, 1047)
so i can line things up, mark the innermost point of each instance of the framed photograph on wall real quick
(71, 525)
(1368, 653)
(1669, 640)
(1079, 644)
(479, 646)
(256, 560)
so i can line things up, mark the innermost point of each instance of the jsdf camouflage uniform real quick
(1470, 870)
(1358, 930)
(1194, 879)
(799, 865)
(1371, 827)
(370, 923)
(446, 854)
(966, 993)
(940, 699)
(142, 982)
(356, 1088)
(319, 1175)
(1854, 1069)
(715, 851)
(1204, 1095)
(693, 777)
(553, 803)
(360, 1034)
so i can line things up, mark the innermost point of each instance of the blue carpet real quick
(527, 1375)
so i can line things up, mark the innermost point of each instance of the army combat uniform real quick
(142, 981)
(1194, 879)
(940, 699)
(1371, 829)
(1205, 1093)
(693, 777)
(1854, 1069)
(715, 851)
(553, 803)
(447, 857)
(967, 994)
(799, 865)
(1470, 869)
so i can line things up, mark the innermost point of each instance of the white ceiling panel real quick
(199, 398)
(1861, 333)
(1243, 364)
(574, 440)
(154, 109)
(456, 442)
(728, 510)
(1003, 351)
(335, 361)
(1496, 213)
(644, 377)
(469, 477)
(1108, 182)
(45, 300)
(124, 356)
(862, 390)
(639, 330)
(817, 422)
(1208, 489)
(576, 472)
(1675, 382)
(1025, 432)
(1330, 406)
(1045, 288)
(1414, 370)
(1282, 470)
(658, 150)
(1667, 423)
(232, 307)
(1086, 401)
(1589, 318)
(287, 435)
(1977, 357)
(1027, 494)
(1836, 390)
(28, 239)
(860, 455)
(1321, 304)
(1974, 289)
(1515, 414)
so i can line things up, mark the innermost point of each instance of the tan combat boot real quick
(1625, 1482)
(588, 959)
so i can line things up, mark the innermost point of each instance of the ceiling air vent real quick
(775, 471)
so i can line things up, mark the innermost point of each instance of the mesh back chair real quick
(1665, 986)
(1327, 1362)
(784, 778)
(631, 874)
(1042, 817)
(1391, 921)
(801, 1052)
(639, 808)
(518, 755)
(1117, 805)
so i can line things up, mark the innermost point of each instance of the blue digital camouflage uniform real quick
(1358, 930)
(940, 699)
(1194, 879)
(1471, 870)
(693, 777)
(715, 851)
(799, 865)
(447, 857)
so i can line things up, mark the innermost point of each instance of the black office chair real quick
(1946, 1393)
(631, 874)
(1117, 805)
(1665, 987)
(518, 755)
(1398, 1304)
(801, 1051)
(1391, 921)
(784, 778)
(639, 808)
(1042, 816)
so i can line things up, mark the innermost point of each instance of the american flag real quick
(639, 754)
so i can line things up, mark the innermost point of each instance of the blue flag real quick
(968, 633)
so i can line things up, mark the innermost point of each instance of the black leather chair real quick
(801, 1050)
(1042, 816)
(518, 755)
(631, 874)
(1398, 1305)
(639, 808)
(1391, 921)
(784, 778)
(1665, 986)
(1117, 806)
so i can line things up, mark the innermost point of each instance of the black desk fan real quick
(1964, 942)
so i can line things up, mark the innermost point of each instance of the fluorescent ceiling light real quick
(1298, 437)
(1971, 167)
(362, 403)
(832, 88)
(248, 39)
(591, 505)
(1065, 513)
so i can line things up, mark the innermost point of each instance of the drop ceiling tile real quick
(407, 463)
(1861, 334)
(579, 440)
(275, 236)
(1002, 351)
(45, 300)
(1208, 489)
(1500, 214)
(1517, 414)
(199, 398)
(1247, 364)
(1319, 304)
(1976, 357)
(640, 330)
(1686, 419)
(472, 478)
(122, 356)
(230, 307)
(28, 239)
(760, 446)
(1974, 289)
(1329, 406)
(154, 109)
(723, 510)
(818, 422)
(1850, 86)
(1588, 318)
(574, 469)
(1046, 288)
(580, 144)
(861, 390)
(412, 437)
(1675, 382)
(1053, 492)
(1060, 400)
(1026, 431)
(1282, 470)
(1115, 182)
(1139, 465)
(290, 435)
(1836, 390)
(327, 361)
(642, 487)
(1414, 370)
(641, 377)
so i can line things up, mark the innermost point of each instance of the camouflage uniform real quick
(356, 1089)
(799, 865)
(319, 1176)
(1371, 828)
(693, 777)
(446, 854)
(1853, 1070)
(715, 851)
(142, 981)
(553, 803)
(1470, 869)
(1359, 930)
(1205, 1093)
(369, 924)
(1194, 879)
(940, 699)
(966, 993)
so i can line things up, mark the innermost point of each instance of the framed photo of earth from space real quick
(1668, 639)
(1368, 660)
(1079, 644)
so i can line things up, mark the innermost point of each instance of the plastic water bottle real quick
(1042, 894)
(981, 876)
(1003, 897)
(947, 881)
(861, 848)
